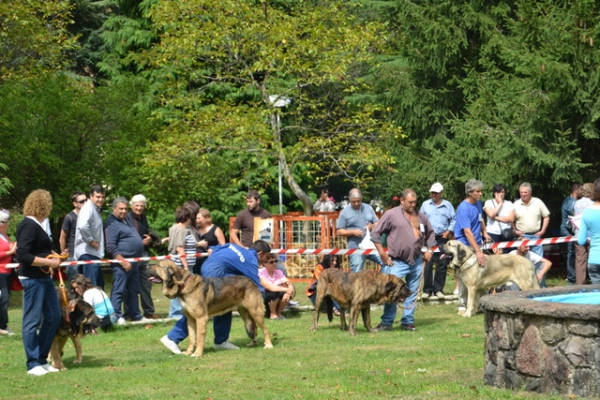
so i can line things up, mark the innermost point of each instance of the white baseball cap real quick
(436, 188)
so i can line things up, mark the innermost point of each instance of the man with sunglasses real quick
(89, 238)
(67, 233)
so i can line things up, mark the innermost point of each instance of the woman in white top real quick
(500, 214)
(82, 287)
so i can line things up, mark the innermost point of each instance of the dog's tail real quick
(329, 305)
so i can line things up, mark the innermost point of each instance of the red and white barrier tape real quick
(497, 245)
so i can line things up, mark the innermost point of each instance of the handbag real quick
(15, 283)
(366, 242)
(508, 234)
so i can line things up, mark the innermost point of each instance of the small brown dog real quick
(356, 292)
(82, 320)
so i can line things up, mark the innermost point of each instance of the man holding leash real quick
(470, 228)
(410, 238)
(225, 260)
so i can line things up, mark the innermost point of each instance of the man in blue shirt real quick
(470, 228)
(353, 222)
(225, 260)
(567, 210)
(442, 217)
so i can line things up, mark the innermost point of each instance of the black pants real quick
(433, 284)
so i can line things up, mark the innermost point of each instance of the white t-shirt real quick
(492, 225)
(100, 301)
(536, 259)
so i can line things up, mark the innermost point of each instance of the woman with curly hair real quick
(40, 302)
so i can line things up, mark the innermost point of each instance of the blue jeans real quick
(594, 273)
(570, 258)
(92, 271)
(175, 310)
(412, 275)
(221, 326)
(126, 283)
(539, 250)
(357, 261)
(40, 311)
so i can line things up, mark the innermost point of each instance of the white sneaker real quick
(37, 371)
(456, 292)
(145, 320)
(10, 333)
(4, 332)
(425, 295)
(50, 368)
(293, 303)
(226, 346)
(169, 344)
(121, 321)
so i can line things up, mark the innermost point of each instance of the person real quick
(278, 289)
(210, 236)
(410, 238)
(7, 250)
(89, 236)
(67, 233)
(182, 243)
(353, 222)
(328, 261)
(324, 203)
(582, 252)
(442, 217)
(225, 260)
(531, 217)
(122, 242)
(542, 265)
(470, 229)
(136, 217)
(244, 221)
(566, 211)
(500, 214)
(589, 230)
(81, 287)
(41, 310)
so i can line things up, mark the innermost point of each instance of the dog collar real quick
(182, 286)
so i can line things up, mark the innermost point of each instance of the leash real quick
(61, 284)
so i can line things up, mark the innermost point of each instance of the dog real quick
(498, 270)
(356, 292)
(203, 298)
(81, 320)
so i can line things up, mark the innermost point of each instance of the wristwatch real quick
(424, 250)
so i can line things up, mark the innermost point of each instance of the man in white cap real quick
(138, 220)
(441, 215)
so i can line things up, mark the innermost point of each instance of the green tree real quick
(498, 90)
(34, 37)
(221, 63)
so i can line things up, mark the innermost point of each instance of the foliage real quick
(219, 75)
(62, 136)
(34, 37)
(500, 91)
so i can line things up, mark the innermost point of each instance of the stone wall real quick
(541, 346)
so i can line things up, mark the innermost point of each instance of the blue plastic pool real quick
(588, 298)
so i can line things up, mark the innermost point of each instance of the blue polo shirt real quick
(442, 217)
(231, 260)
(351, 218)
(468, 216)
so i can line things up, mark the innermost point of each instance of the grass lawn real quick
(443, 359)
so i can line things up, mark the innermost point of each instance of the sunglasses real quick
(81, 201)
(271, 262)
